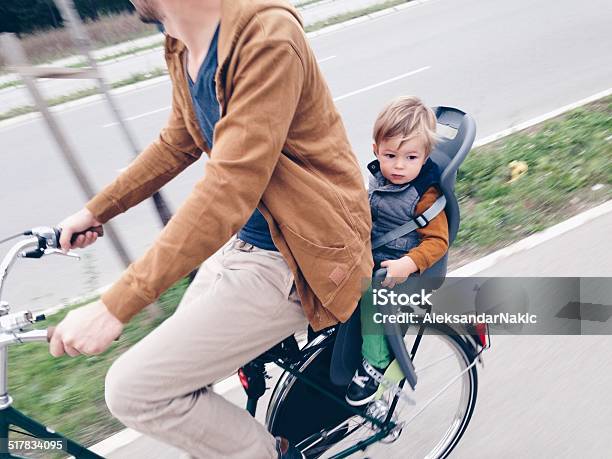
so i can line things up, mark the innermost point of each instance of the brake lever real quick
(69, 254)
(39, 252)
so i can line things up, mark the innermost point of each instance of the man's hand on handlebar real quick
(77, 222)
(88, 330)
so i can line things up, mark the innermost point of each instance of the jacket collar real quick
(374, 167)
(380, 182)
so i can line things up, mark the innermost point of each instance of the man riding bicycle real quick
(247, 90)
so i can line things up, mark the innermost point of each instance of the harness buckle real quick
(421, 221)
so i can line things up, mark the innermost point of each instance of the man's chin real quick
(148, 19)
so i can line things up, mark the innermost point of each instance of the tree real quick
(19, 16)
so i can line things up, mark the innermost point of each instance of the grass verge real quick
(353, 14)
(10, 84)
(67, 394)
(569, 170)
(307, 3)
(135, 78)
(566, 158)
(128, 52)
(83, 64)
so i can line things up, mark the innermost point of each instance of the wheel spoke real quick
(434, 363)
(431, 400)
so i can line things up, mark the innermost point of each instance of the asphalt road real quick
(126, 67)
(503, 62)
(547, 396)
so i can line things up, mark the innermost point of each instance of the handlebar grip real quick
(51, 330)
(96, 229)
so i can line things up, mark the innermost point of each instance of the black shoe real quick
(363, 387)
(286, 450)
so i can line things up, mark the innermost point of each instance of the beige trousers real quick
(241, 303)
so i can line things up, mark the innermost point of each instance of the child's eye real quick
(389, 155)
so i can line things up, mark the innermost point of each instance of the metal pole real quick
(15, 56)
(73, 23)
(4, 375)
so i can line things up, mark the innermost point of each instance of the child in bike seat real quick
(402, 186)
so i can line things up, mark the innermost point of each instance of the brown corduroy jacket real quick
(280, 146)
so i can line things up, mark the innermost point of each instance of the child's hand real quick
(398, 271)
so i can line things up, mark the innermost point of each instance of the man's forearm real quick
(150, 171)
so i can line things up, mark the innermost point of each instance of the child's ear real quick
(375, 149)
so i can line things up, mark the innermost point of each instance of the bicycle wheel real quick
(444, 401)
(296, 410)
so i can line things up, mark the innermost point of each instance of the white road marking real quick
(142, 115)
(152, 112)
(382, 83)
(541, 118)
(20, 120)
(488, 261)
(320, 61)
(113, 443)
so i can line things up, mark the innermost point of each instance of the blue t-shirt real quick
(206, 105)
(203, 92)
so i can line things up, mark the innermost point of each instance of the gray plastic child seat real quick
(457, 132)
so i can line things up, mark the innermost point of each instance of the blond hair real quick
(407, 117)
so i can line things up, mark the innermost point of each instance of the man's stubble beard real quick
(148, 11)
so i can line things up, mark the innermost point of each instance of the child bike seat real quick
(457, 131)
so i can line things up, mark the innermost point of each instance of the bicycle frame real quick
(291, 360)
(9, 416)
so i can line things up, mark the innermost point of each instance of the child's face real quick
(400, 165)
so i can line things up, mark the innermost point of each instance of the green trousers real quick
(374, 348)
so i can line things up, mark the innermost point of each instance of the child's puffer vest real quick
(393, 205)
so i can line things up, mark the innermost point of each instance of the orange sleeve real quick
(434, 237)
(159, 163)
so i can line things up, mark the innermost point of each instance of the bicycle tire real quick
(296, 411)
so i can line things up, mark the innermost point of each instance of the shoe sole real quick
(365, 401)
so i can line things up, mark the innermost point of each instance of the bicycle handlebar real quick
(7, 339)
(49, 237)
(44, 240)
